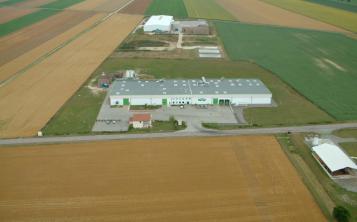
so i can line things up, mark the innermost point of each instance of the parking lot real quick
(116, 119)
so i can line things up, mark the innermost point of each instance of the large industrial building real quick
(159, 23)
(192, 91)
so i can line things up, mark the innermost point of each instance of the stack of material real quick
(210, 52)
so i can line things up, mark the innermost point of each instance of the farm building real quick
(159, 23)
(199, 27)
(193, 91)
(333, 159)
(140, 121)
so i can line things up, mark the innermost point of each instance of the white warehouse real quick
(159, 23)
(194, 91)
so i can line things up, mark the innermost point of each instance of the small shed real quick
(140, 121)
(333, 159)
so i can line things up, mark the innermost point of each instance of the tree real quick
(341, 214)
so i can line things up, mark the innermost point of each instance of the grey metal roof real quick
(188, 87)
(191, 23)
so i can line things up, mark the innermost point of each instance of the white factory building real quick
(189, 91)
(159, 23)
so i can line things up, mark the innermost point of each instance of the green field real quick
(10, 2)
(207, 9)
(344, 19)
(175, 8)
(61, 4)
(321, 66)
(78, 115)
(346, 133)
(344, 5)
(350, 148)
(29, 19)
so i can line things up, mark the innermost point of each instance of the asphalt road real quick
(204, 132)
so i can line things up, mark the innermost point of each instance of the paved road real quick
(204, 132)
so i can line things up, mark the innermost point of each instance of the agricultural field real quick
(9, 13)
(46, 11)
(175, 8)
(137, 7)
(344, 5)
(15, 45)
(49, 83)
(319, 65)
(192, 179)
(250, 11)
(292, 109)
(346, 133)
(32, 57)
(207, 9)
(350, 148)
(340, 18)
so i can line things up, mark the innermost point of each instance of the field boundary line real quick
(59, 47)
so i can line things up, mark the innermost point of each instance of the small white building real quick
(159, 23)
(140, 121)
(333, 159)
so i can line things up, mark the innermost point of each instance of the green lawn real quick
(336, 193)
(175, 8)
(10, 2)
(350, 148)
(29, 19)
(321, 66)
(77, 116)
(344, 5)
(208, 9)
(337, 17)
(346, 133)
(160, 126)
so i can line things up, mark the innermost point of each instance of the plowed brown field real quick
(100, 5)
(87, 5)
(111, 5)
(11, 68)
(16, 44)
(137, 7)
(189, 179)
(8, 13)
(32, 3)
(255, 11)
(30, 100)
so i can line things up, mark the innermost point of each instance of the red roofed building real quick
(142, 120)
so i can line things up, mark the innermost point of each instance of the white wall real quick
(151, 28)
(115, 101)
(202, 100)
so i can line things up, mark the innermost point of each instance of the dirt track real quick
(258, 12)
(188, 179)
(18, 43)
(137, 7)
(9, 13)
(29, 101)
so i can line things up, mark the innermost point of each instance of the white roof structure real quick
(334, 158)
(159, 22)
